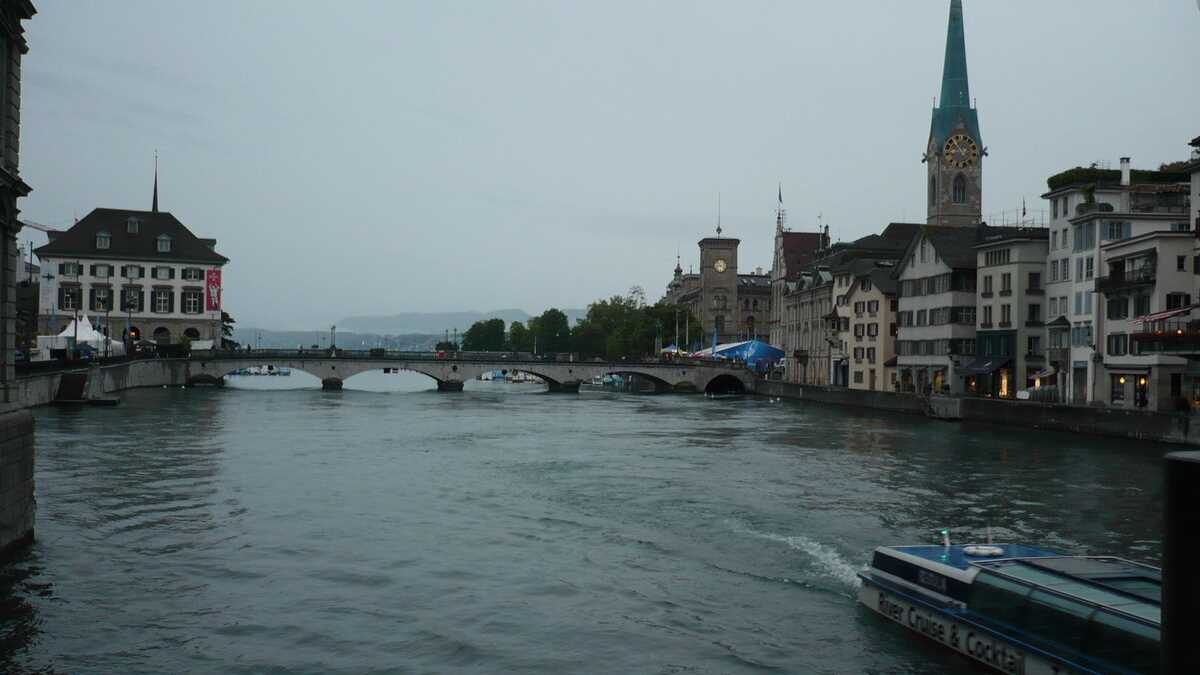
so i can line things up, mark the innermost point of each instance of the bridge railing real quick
(524, 358)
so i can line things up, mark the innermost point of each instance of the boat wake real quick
(825, 558)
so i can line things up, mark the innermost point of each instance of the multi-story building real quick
(1010, 313)
(1149, 279)
(871, 335)
(1090, 208)
(729, 305)
(936, 313)
(12, 188)
(794, 252)
(139, 274)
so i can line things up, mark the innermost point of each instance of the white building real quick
(1011, 313)
(1090, 208)
(137, 273)
(936, 309)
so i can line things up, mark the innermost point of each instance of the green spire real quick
(956, 91)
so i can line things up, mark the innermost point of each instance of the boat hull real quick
(948, 629)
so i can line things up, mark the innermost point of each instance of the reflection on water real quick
(505, 529)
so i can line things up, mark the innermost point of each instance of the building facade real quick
(12, 48)
(871, 339)
(137, 274)
(936, 313)
(1010, 314)
(954, 151)
(1091, 208)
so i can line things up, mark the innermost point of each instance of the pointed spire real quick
(154, 202)
(718, 215)
(956, 90)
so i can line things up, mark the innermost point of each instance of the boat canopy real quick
(758, 355)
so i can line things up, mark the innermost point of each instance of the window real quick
(164, 243)
(192, 274)
(163, 300)
(1177, 300)
(1033, 344)
(103, 240)
(1053, 307)
(859, 331)
(192, 302)
(1115, 230)
(987, 284)
(921, 317)
(1035, 314)
(1141, 305)
(1006, 283)
(1079, 269)
(1005, 315)
(1053, 270)
(1118, 344)
(858, 353)
(1054, 206)
(1087, 303)
(960, 189)
(1181, 263)
(133, 271)
(162, 272)
(858, 377)
(1066, 269)
(131, 299)
(987, 316)
(1118, 388)
(1118, 308)
(70, 298)
(997, 257)
(1054, 237)
(870, 355)
(131, 225)
(859, 308)
(924, 250)
(1181, 227)
(865, 285)
(101, 299)
(1035, 280)
(1089, 268)
(872, 330)
(70, 269)
(102, 271)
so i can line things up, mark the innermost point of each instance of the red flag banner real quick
(212, 291)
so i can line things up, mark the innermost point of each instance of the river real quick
(505, 530)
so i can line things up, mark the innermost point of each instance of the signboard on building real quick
(212, 291)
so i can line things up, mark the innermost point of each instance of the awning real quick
(891, 363)
(1043, 374)
(1060, 322)
(1167, 314)
(983, 366)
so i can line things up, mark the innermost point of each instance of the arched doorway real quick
(192, 334)
(133, 333)
(162, 335)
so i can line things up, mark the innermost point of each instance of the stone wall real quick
(878, 400)
(17, 505)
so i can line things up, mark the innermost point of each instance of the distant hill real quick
(291, 339)
(437, 323)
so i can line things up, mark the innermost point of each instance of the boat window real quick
(1117, 640)
(1057, 618)
(998, 599)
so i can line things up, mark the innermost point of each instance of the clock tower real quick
(718, 288)
(954, 154)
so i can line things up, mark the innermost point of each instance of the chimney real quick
(1124, 172)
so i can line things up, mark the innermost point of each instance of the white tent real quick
(82, 331)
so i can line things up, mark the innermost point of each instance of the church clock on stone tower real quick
(955, 152)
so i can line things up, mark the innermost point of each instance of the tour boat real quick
(1020, 609)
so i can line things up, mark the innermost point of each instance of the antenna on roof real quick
(718, 215)
(154, 202)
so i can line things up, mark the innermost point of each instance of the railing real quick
(1118, 280)
(1171, 336)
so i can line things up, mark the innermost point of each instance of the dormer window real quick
(131, 225)
(103, 241)
(164, 244)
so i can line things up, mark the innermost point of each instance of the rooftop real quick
(80, 240)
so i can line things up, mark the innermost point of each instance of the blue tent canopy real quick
(758, 355)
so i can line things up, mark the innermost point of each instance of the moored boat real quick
(1020, 609)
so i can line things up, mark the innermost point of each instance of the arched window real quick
(932, 190)
(960, 189)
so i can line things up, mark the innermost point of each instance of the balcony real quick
(1061, 355)
(985, 325)
(1006, 293)
(986, 294)
(1119, 281)
(1035, 291)
(1178, 337)
(1006, 324)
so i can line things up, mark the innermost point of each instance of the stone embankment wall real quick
(38, 390)
(17, 506)
(1116, 422)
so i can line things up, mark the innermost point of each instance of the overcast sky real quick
(377, 157)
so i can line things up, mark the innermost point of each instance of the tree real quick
(519, 338)
(553, 331)
(485, 336)
(227, 322)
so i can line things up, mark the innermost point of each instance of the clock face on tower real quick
(961, 151)
(720, 265)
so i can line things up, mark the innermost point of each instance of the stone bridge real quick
(450, 371)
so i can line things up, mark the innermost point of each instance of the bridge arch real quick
(725, 384)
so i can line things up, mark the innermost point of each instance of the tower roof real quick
(954, 107)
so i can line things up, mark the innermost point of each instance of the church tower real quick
(954, 155)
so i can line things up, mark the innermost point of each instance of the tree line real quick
(622, 326)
